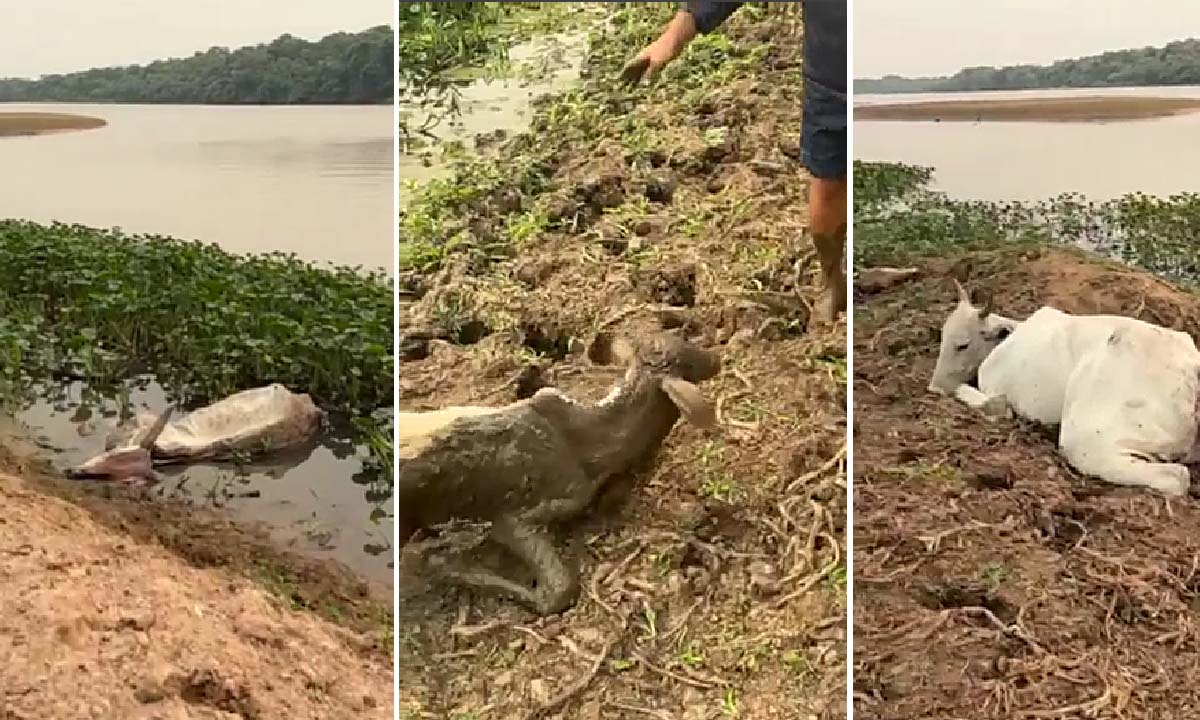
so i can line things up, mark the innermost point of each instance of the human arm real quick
(696, 17)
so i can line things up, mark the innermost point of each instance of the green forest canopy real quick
(342, 68)
(1176, 63)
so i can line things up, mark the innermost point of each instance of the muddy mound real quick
(99, 625)
(991, 580)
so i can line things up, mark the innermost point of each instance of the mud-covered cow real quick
(544, 460)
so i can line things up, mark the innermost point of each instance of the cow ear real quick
(983, 301)
(692, 404)
(963, 296)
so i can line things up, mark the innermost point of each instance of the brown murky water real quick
(316, 181)
(1038, 160)
(312, 499)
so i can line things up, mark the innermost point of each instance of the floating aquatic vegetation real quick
(99, 306)
(897, 217)
(109, 310)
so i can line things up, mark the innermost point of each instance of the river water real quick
(1034, 161)
(551, 65)
(316, 181)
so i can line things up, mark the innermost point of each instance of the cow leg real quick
(991, 406)
(1123, 468)
(1193, 456)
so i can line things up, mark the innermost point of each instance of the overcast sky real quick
(939, 37)
(40, 37)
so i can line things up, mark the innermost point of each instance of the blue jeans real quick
(823, 138)
(823, 132)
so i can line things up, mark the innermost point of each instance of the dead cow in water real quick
(252, 422)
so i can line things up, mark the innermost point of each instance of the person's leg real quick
(823, 147)
(827, 224)
(823, 143)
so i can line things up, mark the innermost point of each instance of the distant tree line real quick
(1176, 63)
(343, 68)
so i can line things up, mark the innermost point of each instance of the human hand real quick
(648, 63)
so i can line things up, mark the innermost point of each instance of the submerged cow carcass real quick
(251, 422)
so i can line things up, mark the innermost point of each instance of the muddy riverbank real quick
(148, 602)
(494, 108)
(146, 609)
(992, 580)
(716, 584)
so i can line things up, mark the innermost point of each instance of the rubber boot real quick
(832, 298)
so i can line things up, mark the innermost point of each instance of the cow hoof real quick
(996, 407)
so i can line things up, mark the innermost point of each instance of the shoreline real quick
(33, 124)
(1069, 109)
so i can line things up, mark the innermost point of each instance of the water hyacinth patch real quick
(101, 306)
(108, 310)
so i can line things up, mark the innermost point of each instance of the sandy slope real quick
(99, 625)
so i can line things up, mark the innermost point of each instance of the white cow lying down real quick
(1122, 391)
